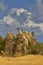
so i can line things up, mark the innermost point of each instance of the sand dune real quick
(24, 60)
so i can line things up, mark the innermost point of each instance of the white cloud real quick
(31, 23)
(41, 26)
(19, 11)
(19, 18)
(8, 20)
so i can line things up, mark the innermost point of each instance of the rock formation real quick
(9, 44)
(22, 43)
(18, 45)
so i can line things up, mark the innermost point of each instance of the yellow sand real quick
(24, 60)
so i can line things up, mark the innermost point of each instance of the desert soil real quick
(24, 60)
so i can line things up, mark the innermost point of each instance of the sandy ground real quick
(24, 60)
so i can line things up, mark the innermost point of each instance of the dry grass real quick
(25, 60)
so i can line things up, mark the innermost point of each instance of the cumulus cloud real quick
(8, 20)
(19, 11)
(19, 18)
(31, 23)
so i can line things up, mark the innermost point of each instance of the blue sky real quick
(26, 14)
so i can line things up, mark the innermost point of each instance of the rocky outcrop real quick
(9, 43)
(22, 43)
(30, 38)
(18, 45)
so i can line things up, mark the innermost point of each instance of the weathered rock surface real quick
(9, 43)
(17, 45)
